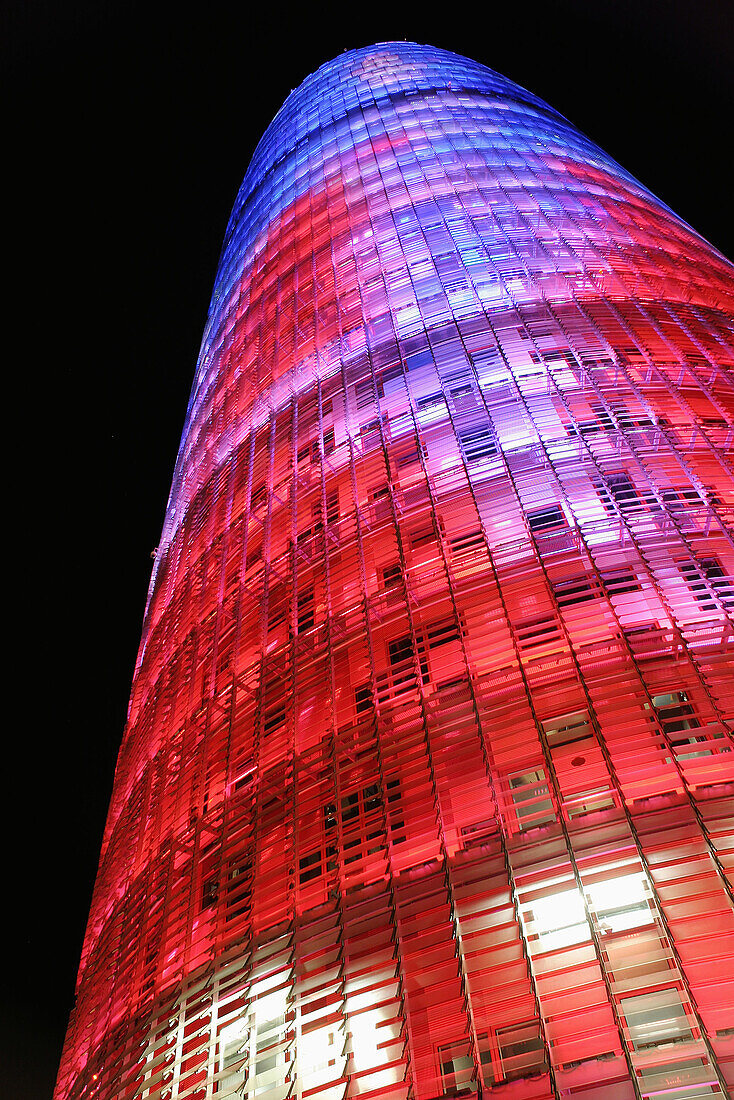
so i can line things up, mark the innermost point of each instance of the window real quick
(328, 812)
(579, 764)
(274, 716)
(620, 904)
(361, 802)
(477, 444)
(531, 798)
(253, 558)
(396, 817)
(328, 441)
(401, 655)
(259, 498)
(468, 543)
(317, 1050)
(538, 632)
(554, 921)
(603, 417)
(589, 802)
(697, 574)
(233, 1053)
(618, 493)
(363, 699)
(512, 1052)
(274, 701)
(680, 724)
(442, 632)
(364, 393)
(674, 712)
(478, 833)
(619, 580)
(410, 455)
(307, 533)
(332, 506)
(678, 500)
(363, 828)
(391, 575)
(549, 518)
(277, 605)
(210, 892)
(457, 1067)
(432, 402)
(239, 887)
(401, 651)
(629, 420)
(317, 863)
(305, 610)
(576, 590)
(424, 536)
(368, 432)
(272, 1017)
(567, 728)
(602, 422)
(390, 374)
(655, 1019)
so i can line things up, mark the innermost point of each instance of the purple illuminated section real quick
(426, 783)
(514, 142)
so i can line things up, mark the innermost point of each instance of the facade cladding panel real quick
(428, 774)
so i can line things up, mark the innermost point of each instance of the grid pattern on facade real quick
(427, 780)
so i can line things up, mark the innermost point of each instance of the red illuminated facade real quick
(427, 781)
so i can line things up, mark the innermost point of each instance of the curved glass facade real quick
(428, 775)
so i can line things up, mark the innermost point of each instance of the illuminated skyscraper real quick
(425, 783)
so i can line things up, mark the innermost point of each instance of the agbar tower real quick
(428, 774)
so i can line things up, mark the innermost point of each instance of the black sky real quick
(135, 124)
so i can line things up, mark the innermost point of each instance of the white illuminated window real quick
(233, 1054)
(320, 1055)
(367, 1031)
(621, 903)
(558, 920)
(270, 1030)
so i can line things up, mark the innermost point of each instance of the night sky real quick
(134, 125)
